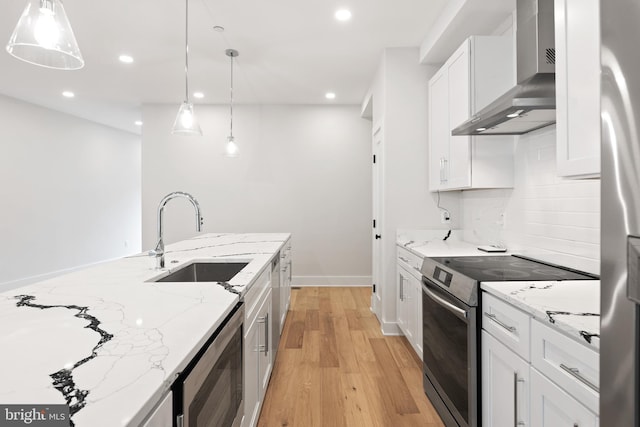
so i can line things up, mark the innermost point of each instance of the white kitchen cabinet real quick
(162, 416)
(479, 71)
(265, 335)
(405, 309)
(561, 387)
(572, 365)
(409, 298)
(251, 378)
(505, 385)
(285, 282)
(577, 39)
(257, 350)
(552, 407)
(508, 324)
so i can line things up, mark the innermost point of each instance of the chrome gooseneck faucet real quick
(159, 250)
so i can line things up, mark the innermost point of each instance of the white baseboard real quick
(390, 328)
(304, 281)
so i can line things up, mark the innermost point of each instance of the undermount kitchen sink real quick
(204, 272)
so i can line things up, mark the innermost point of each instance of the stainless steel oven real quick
(450, 341)
(208, 393)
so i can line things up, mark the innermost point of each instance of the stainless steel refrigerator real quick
(620, 195)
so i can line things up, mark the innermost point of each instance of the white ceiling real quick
(291, 52)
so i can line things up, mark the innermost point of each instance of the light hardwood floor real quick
(334, 368)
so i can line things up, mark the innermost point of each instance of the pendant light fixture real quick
(186, 123)
(231, 148)
(43, 36)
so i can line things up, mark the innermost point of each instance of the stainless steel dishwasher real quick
(275, 305)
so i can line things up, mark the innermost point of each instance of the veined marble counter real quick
(108, 342)
(572, 306)
(431, 243)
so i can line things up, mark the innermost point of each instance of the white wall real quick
(70, 193)
(302, 169)
(400, 108)
(547, 217)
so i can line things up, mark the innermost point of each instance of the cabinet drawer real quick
(571, 365)
(507, 324)
(253, 297)
(410, 261)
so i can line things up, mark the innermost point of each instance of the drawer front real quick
(573, 366)
(507, 324)
(253, 296)
(285, 252)
(410, 261)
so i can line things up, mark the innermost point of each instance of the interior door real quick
(376, 235)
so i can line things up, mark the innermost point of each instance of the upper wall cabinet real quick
(577, 28)
(476, 74)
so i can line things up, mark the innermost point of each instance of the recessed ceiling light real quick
(138, 123)
(330, 95)
(481, 129)
(343, 15)
(126, 59)
(68, 94)
(198, 95)
(218, 29)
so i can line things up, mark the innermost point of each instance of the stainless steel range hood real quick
(531, 104)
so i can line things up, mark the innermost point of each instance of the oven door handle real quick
(444, 303)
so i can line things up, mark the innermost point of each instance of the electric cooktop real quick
(509, 268)
(461, 275)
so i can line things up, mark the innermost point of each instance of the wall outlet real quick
(126, 243)
(445, 217)
(502, 220)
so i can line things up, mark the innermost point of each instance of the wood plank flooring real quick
(334, 368)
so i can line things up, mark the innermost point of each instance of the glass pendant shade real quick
(231, 148)
(43, 36)
(186, 123)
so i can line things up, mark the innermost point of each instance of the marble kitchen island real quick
(109, 342)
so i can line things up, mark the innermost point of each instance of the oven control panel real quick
(442, 276)
(451, 281)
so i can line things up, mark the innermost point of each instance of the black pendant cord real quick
(63, 379)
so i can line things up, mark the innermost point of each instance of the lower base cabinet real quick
(552, 407)
(516, 392)
(409, 298)
(505, 385)
(258, 359)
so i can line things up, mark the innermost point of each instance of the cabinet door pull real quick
(264, 348)
(516, 380)
(404, 259)
(445, 170)
(575, 372)
(401, 288)
(266, 333)
(493, 318)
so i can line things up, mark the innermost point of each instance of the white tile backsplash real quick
(544, 216)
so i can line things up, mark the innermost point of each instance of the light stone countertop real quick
(431, 243)
(116, 340)
(571, 306)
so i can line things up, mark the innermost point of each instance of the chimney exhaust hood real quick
(531, 104)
